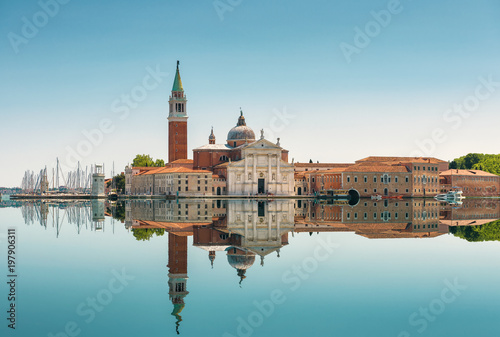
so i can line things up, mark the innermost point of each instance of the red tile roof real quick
(376, 168)
(182, 161)
(180, 169)
(402, 159)
(144, 168)
(477, 173)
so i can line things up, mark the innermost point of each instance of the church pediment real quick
(262, 144)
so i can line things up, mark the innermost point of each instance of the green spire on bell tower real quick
(177, 81)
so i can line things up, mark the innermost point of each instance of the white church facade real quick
(260, 171)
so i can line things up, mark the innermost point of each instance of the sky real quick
(337, 81)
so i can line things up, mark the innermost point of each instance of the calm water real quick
(240, 268)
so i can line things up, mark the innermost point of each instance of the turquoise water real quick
(81, 272)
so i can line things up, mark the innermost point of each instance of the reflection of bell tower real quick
(177, 121)
(177, 273)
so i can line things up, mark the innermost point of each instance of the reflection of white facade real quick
(261, 170)
(261, 224)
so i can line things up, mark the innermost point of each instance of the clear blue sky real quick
(264, 56)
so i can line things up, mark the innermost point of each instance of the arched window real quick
(224, 158)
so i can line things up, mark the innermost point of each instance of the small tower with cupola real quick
(211, 138)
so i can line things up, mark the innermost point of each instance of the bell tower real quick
(177, 121)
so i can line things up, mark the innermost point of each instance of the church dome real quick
(240, 133)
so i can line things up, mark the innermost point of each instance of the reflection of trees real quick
(144, 234)
(487, 232)
(118, 211)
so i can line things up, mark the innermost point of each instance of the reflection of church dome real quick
(240, 133)
(240, 260)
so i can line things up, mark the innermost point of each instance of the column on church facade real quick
(254, 174)
(269, 180)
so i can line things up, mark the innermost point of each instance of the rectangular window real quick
(261, 209)
(374, 179)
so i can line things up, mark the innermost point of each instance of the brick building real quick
(396, 176)
(473, 183)
(441, 164)
(172, 181)
(387, 180)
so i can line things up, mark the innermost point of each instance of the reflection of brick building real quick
(374, 219)
(474, 183)
(472, 212)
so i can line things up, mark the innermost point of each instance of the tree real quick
(119, 183)
(487, 232)
(144, 234)
(471, 159)
(310, 161)
(478, 161)
(145, 160)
